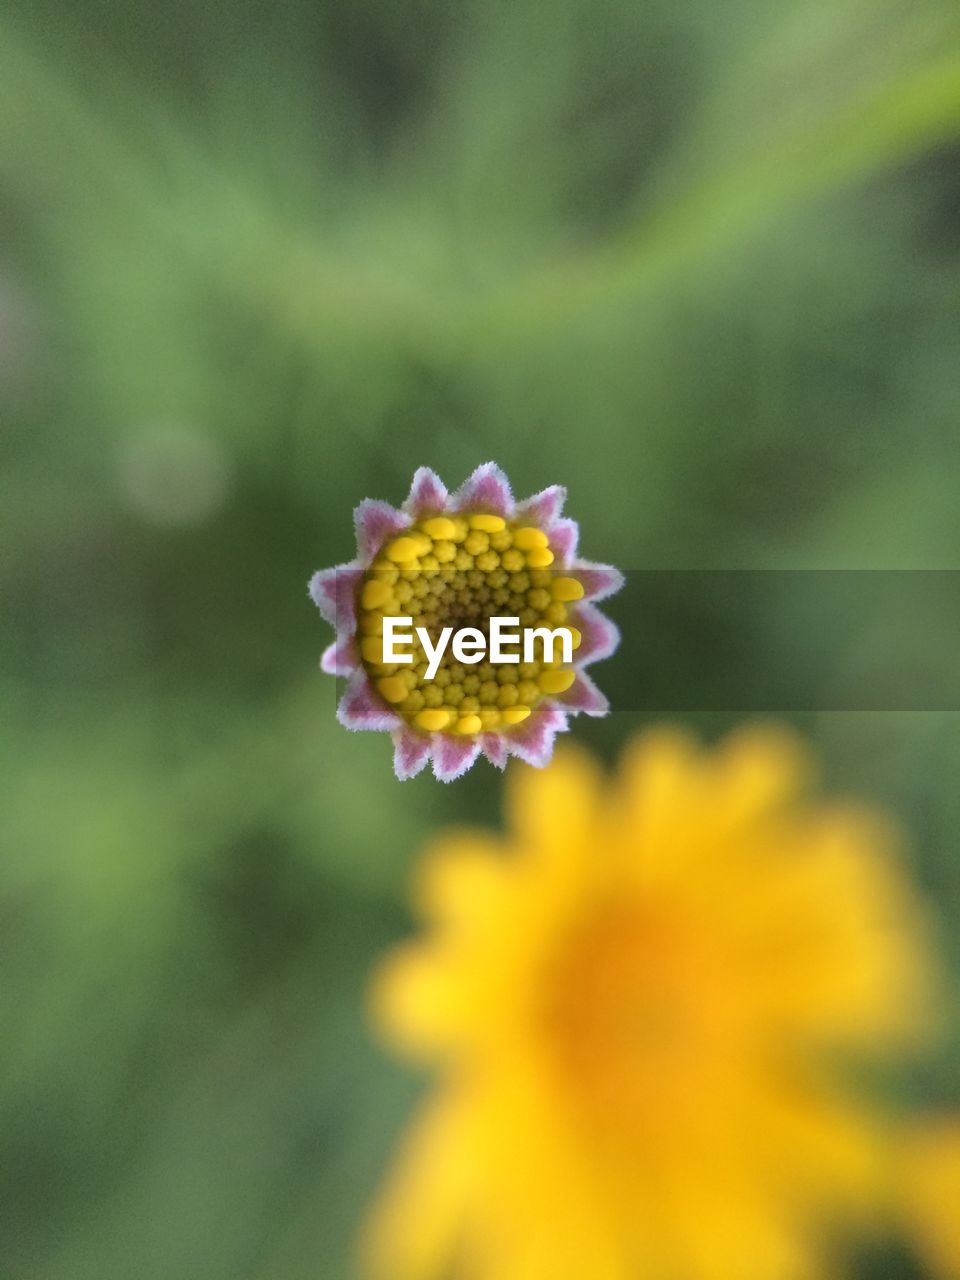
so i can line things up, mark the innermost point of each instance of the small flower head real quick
(457, 561)
(642, 1008)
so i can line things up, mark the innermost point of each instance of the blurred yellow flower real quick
(929, 1180)
(643, 1010)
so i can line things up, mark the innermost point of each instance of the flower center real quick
(461, 571)
(629, 1008)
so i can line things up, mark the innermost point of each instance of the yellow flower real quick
(643, 1011)
(929, 1186)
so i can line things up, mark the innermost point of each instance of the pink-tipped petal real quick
(494, 747)
(453, 756)
(599, 580)
(488, 489)
(375, 522)
(600, 636)
(544, 507)
(532, 741)
(583, 695)
(341, 658)
(411, 751)
(563, 541)
(361, 708)
(428, 494)
(334, 592)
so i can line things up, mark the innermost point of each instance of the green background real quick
(699, 262)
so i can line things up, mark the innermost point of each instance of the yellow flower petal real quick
(417, 1221)
(646, 1002)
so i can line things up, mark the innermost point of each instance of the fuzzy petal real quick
(488, 489)
(532, 741)
(583, 695)
(563, 541)
(494, 747)
(599, 580)
(361, 708)
(428, 493)
(410, 752)
(375, 522)
(600, 636)
(544, 507)
(341, 657)
(453, 756)
(334, 592)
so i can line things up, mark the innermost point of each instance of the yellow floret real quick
(566, 589)
(488, 524)
(439, 527)
(469, 724)
(528, 538)
(371, 649)
(476, 542)
(375, 594)
(444, 551)
(403, 549)
(556, 681)
(539, 557)
(489, 718)
(514, 715)
(412, 703)
(386, 572)
(433, 719)
(393, 688)
(371, 624)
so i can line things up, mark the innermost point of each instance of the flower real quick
(642, 1009)
(928, 1178)
(459, 560)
